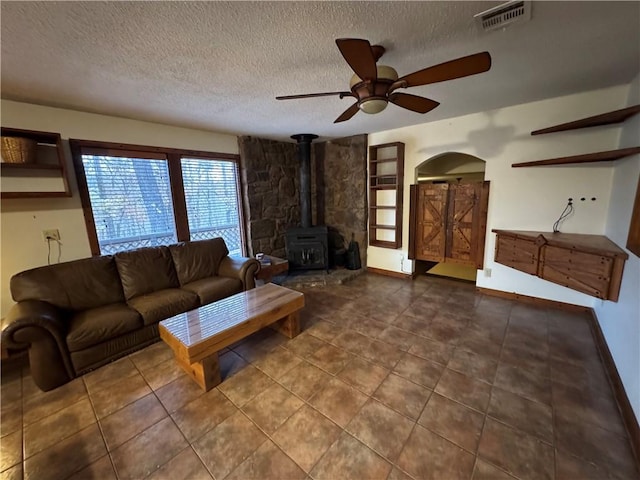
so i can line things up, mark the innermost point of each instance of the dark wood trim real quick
(178, 199)
(608, 156)
(482, 227)
(541, 302)
(626, 411)
(399, 192)
(83, 190)
(389, 273)
(413, 212)
(608, 118)
(241, 217)
(167, 150)
(633, 240)
(115, 152)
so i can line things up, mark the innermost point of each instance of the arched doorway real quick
(448, 216)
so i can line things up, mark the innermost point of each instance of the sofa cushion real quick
(214, 288)
(76, 285)
(197, 260)
(98, 325)
(146, 270)
(163, 304)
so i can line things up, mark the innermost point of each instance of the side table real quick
(277, 266)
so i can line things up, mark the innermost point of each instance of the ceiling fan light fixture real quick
(384, 73)
(373, 105)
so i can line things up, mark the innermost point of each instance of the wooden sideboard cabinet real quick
(590, 264)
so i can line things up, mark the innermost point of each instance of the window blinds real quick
(211, 195)
(131, 202)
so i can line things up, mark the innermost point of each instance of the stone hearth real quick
(317, 278)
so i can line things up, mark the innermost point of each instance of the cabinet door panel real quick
(519, 253)
(462, 211)
(584, 272)
(431, 219)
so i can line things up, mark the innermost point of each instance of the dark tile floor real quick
(390, 379)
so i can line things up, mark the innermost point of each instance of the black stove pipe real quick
(304, 154)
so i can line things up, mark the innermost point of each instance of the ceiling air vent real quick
(516, 11)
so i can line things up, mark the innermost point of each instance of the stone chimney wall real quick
(341, 169)
(271, 193)
(271, 196)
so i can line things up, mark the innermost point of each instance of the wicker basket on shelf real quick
(18, 150)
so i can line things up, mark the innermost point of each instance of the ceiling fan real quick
(373, 86)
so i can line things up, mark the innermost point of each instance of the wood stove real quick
(307, 246)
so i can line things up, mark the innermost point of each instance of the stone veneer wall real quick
(271, 193)
(271, 190)
(341, 182)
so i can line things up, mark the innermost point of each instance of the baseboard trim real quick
(389, 273)
(542, 302)
(628, 417)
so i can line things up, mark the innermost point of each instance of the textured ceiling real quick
(219, 65)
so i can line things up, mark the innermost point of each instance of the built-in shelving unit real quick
(46, 178)
(386, 176)
(609, 118)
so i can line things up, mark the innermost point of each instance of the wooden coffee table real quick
(197, 336)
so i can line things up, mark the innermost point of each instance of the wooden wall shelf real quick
(608, 118)
(607, 156)
(590, 264)
(50, 158)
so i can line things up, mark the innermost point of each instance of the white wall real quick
(22, 220)
(620, 322)
(520, 198)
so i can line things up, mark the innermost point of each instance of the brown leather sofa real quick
(76, 316)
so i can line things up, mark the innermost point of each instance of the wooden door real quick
(467, 223)
(462, 207)
(448, 222)
(430, 225)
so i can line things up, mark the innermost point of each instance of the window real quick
(211, 194)
(137, 196)
(131, 202)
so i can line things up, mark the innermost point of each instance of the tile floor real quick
(390, 379)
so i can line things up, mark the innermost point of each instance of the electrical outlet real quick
(52, 234)
(487, 272)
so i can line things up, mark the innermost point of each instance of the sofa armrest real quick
(40, 327)
(242, 268)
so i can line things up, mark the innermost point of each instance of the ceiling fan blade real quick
(359, 56)
(348, 113)
(462, 67)
(309, 95)
(413, 102)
